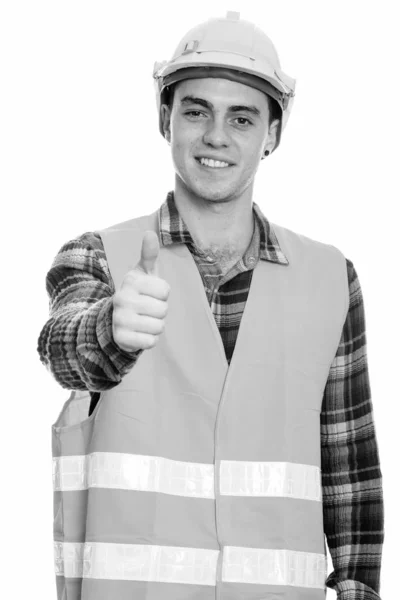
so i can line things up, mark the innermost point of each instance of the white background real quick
(81, 150)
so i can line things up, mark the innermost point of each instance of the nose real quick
(216, 134)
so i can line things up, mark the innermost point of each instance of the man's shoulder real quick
(288, 235)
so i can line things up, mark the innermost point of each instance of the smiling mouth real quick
(213, 168)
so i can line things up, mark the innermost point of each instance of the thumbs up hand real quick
(140, 305)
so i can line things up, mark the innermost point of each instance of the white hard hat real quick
(231, 48)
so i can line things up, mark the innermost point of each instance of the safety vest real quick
(195, 479)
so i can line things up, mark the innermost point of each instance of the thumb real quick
(149, 253)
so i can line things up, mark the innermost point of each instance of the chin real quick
(213, 193)
(208, 190)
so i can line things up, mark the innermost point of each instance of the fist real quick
(140, 305)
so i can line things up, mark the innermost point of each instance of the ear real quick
(272, 133)
(166, 121)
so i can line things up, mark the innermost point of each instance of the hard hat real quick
(231, 48)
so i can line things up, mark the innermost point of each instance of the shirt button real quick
(251, 259)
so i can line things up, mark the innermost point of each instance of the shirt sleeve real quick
(76, 344)
(351, 476)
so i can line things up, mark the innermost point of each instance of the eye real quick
(244, 119)
(191, 112)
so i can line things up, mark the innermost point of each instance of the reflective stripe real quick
(144, 562)
(274, 567)
(136, 562)
(245, 478)
(68, 559)
(196, 566)
(70, 473)
(133, 472)
(157, 474)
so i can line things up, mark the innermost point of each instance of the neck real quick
(222, 228)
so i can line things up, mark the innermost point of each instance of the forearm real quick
(76, 343)
(353, 510)
(78, 349)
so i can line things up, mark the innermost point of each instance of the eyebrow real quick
(234, 108)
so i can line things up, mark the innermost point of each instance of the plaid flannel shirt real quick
(76, 345)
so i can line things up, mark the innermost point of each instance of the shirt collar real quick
(173, 230)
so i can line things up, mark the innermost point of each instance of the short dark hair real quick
(274, 108)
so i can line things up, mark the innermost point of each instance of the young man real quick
(231, 425)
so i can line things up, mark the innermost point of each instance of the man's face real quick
(223, 120)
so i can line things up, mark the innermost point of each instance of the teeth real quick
(209, 162)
